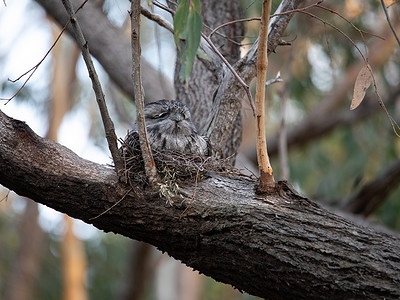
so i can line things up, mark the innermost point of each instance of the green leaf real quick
(201, 54)
(180, 23)
(187, 26)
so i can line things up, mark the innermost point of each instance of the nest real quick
(170, 165)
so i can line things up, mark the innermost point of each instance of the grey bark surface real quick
(276, 246)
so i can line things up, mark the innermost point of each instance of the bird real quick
(170, 129)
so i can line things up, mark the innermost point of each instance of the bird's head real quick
(169, 116)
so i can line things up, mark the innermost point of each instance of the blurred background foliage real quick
(327, 168)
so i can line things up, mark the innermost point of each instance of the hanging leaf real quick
(187, 26)
(180, 23)
(363, 81)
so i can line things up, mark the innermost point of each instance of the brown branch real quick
(229, 94)
(235, 74)
(107, 122)
(267, 182)
(389, 22)
(157, 18)
(232, 22)
(149, 165)
(374, 193)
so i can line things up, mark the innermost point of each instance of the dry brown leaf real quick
(363, 81)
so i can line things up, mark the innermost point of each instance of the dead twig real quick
(390, 23)
(112, 206)
(149, 165)
(107, 122)
(157, 18)
(232, 22)
(35, 67)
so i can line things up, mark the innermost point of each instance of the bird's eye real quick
(160, 115)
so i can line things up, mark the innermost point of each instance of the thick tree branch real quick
(111, 47)
(374, 192)
(277, 246)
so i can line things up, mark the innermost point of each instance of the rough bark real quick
(111, 47)
(277, 246)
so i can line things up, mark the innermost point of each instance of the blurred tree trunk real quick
(20, 283)
(138, 272)
(65, 57)
(74, 264)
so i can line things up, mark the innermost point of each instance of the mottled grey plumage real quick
(169, 128)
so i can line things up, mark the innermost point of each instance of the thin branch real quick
(394, 124)
(232, 22)
(34, 68)
(277, 78)
(267, 182)
(390, 23)
(230, 39)
(149, 165)
(107, 122)
(157, 18)
(235, 74)
(164, 7)
(112, 206)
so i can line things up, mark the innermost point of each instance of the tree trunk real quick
(26, 265)
(276, 246)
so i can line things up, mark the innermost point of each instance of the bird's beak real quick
(176, 117)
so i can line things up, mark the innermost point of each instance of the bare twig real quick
(107, 122)
(238, 78)
(157, 18)
(282, 131)
(112, 206)
(5, 197)
(149, 165)
(390, 23)
(232, 22)
(34, 68)
(267, 182)
(164, 7)
(277, 78)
